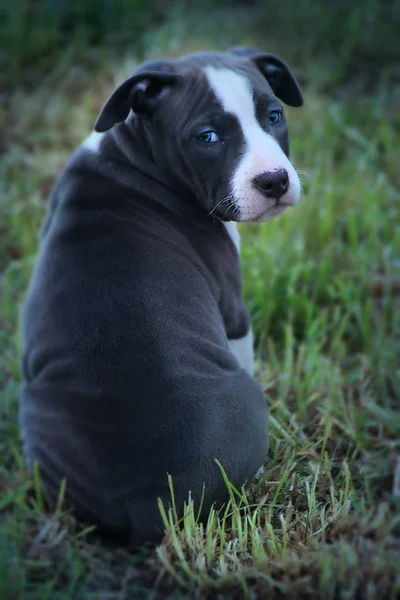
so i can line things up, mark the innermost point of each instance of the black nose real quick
(273, 183)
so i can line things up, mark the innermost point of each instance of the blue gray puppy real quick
(138, 356)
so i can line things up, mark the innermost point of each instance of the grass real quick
(323, 287)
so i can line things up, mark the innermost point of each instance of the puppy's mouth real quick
(276, 209)
(235, 212)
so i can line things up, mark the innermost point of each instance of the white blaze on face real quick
(263, 153)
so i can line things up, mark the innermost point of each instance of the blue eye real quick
(274, 117)
(208, 136)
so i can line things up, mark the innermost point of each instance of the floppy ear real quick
(141, 93)
(276, 72)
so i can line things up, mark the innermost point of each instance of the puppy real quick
(138, 358)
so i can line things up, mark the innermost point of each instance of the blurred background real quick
(322, 282)
(348, 40)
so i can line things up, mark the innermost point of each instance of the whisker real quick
(220, 202)
(232, 204)
(299, 172)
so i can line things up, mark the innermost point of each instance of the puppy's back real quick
(127, 368)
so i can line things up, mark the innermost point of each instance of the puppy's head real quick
(216, 128)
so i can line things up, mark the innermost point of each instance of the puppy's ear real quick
(141, 92)
(276, 72)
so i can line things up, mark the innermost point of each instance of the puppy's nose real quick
(273, 183)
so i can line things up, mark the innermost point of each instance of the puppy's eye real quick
(274, 117)
(208, 136)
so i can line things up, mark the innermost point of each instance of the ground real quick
(323, 287)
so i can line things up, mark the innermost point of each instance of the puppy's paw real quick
(259, 473)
